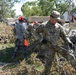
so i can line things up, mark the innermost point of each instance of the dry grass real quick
(69, 68)
(6, 33)
(33, 66)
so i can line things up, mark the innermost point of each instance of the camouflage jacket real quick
(52, 33)
(33, 31)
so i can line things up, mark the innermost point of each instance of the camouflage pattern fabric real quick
(52, 33)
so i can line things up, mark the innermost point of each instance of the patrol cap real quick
(56, 15)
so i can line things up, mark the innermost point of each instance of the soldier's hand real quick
(44, 41)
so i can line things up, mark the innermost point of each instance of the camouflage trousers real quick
(49, 57)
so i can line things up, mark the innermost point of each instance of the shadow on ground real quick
(6, 55)
(7, 52)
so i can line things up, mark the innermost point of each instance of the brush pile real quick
(6, 33)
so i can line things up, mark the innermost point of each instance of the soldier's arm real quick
(30, 29)
(40, 29)
(36, 33)
(63, 35)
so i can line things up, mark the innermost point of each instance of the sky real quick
(18, 6)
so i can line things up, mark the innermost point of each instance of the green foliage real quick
(38, 8)
(44, 7)
(31, 9)
(6, 8)
(62, 7)
(74, 9)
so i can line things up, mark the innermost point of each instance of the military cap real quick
(56, 15)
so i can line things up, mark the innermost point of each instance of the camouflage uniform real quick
(34, 39)
(52, 33)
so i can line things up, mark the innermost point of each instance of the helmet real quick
(21, 18)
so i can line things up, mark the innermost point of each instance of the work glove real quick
(44, 41)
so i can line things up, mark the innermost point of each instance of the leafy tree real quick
(31, 9)
(38, 8)
(26, 10)
(6, 8)
(44, 7)
(61, 6)
(74, 9)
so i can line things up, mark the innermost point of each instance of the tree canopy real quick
(37, 7)
(6, 8)
(44, 7)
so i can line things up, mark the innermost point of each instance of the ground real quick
(32, 66)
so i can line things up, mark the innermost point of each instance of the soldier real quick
(52, 32)
(34, 38)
